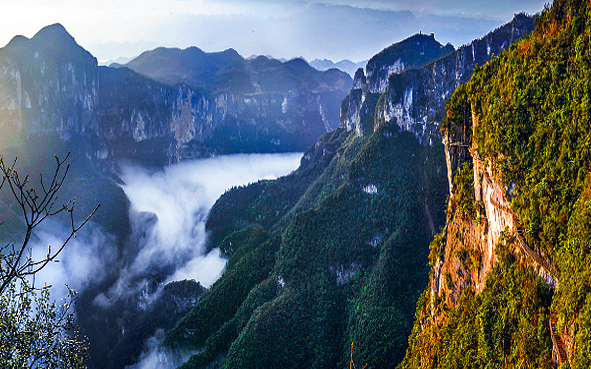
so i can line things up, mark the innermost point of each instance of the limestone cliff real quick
(48, 84)
(414, 97)
(491, 219)
(51, 86)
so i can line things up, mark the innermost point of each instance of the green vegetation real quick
(334, 253)
(343, 257)
(533, 125)
(271, 204)
(506, 325)
(34, 331)
(463, 199)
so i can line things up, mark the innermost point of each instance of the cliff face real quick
(52, 86)
(414, 97)
(509, 283)
(412, 53)
(48, 84)
(183, 122)
(479, 226)
(357, 109)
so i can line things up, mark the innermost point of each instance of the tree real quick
(34, 331)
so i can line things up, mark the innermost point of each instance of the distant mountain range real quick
(344, 65)
(166, 104)
(227, 71)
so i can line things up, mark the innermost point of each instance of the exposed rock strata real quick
(49, 85)
(415, 99)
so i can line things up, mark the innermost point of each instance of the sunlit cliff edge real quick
(509, 282)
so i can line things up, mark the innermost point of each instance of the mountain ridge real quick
(415, 98)
(212, 71)
(345, 245)
(54, 87)
(344, 65)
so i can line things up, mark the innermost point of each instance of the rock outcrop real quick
(414, 96)
(49, 85)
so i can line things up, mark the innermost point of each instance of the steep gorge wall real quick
(186, 123)
(51, 86)
(415, 98)
(492, 220)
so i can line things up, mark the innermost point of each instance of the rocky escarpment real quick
(509, 283)
(357, 109)
(479, 227)
(50, 85)
(412, 53)
(414, 98)
(141, 117)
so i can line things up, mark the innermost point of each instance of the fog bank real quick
(119, 279)
(168, 213)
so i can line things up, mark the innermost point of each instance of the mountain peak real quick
(17, 41)
(54, 35)
(414, 51)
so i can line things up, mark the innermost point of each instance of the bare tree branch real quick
(14, 264)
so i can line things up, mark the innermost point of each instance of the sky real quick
(334, 29)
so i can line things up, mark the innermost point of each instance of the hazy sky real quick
(354, 29)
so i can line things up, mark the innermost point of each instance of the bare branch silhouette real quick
(36, 207)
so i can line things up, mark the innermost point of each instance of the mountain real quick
(228, 72)
(50, 84)
(120, 52)
(509, 283)
(415, 97)
(117, 63)
(53, 87)
(213, 72)
(55, 99)
(336, 252)
(343, 65)
(411, 53)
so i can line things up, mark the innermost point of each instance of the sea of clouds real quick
(168, 211)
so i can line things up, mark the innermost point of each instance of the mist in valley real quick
(168, 210)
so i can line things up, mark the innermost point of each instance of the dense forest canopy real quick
(527, 114)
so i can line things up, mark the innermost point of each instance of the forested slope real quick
(332, 254)
(510, 282)
(342, 261)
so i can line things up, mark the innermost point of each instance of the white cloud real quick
(158, 357)
(84, 261)
(169, 209)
